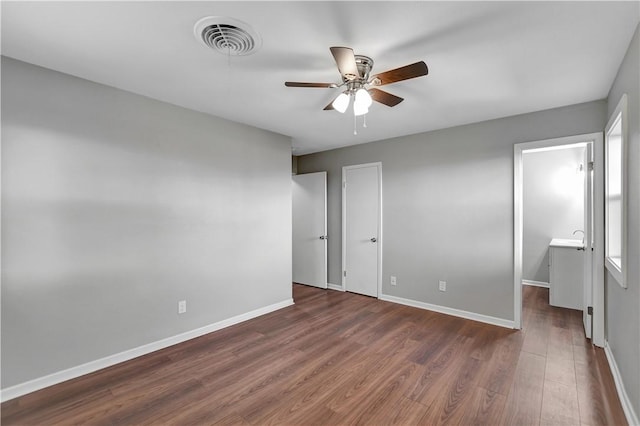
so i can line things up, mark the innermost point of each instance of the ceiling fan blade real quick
(329, 107)
(403, 73)
(346, 62)
(385, 97)
(299, 84)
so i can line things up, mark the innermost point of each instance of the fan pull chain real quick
(355, 125)
(364, 121)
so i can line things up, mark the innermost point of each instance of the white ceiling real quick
(486, 59)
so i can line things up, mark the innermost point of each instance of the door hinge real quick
(344, 273)
(589, 310)
(590, 166)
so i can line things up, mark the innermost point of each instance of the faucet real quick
(579, 230)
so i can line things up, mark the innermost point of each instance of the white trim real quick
(589, 226)
(91, 366)
(535, 283)
(597, 259)
(518, 226)
(545, 148)
(598, 219)
(619, 273)
(380, 236)
(449, 311)
(627, 406)
(326, 234)
(335, 287)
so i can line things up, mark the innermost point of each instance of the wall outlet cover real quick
(442, 285)
(393, 280)
(182, 306)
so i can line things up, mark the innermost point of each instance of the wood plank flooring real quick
(340, 358)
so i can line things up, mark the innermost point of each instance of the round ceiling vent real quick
(227, 35)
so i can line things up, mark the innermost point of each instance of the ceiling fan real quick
(355, 70)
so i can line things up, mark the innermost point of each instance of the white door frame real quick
(588, 207)
(598, 219)
(344, 222)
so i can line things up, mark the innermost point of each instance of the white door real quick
(588, 240)
(309, 194)
(361, 220)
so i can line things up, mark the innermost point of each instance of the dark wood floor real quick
(337, 358)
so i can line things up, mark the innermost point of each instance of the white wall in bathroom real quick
(553, 205)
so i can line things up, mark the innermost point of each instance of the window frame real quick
(618, 270)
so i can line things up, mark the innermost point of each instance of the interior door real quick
(309, 194)
(361, 203)
(589, 235)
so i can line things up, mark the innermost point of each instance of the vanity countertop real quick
(566, 242)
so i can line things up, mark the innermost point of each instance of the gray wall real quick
(116, 206)
(623, 314)
(448, 205)
(553, 205)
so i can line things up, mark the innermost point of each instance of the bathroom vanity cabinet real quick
(566, 273)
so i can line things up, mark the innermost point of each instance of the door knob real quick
(374, 239)
(324, 237)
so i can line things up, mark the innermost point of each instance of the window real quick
(615, 189)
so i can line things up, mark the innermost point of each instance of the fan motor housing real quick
(364, 64)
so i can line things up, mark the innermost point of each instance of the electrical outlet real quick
(442, 286)
(182, 306)
(393, 280)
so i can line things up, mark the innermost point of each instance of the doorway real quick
(362, 228)
(530, 262)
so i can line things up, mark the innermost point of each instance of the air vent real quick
(227, 35)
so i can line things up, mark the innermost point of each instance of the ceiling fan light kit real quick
(355, 70)
(341, 103)
(362, 101)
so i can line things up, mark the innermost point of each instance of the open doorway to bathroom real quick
(557, 195)
(553, 211)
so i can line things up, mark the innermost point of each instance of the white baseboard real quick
(334, 287)
(535, 283)
(629, 412)
(89, 367)
(449, 311)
